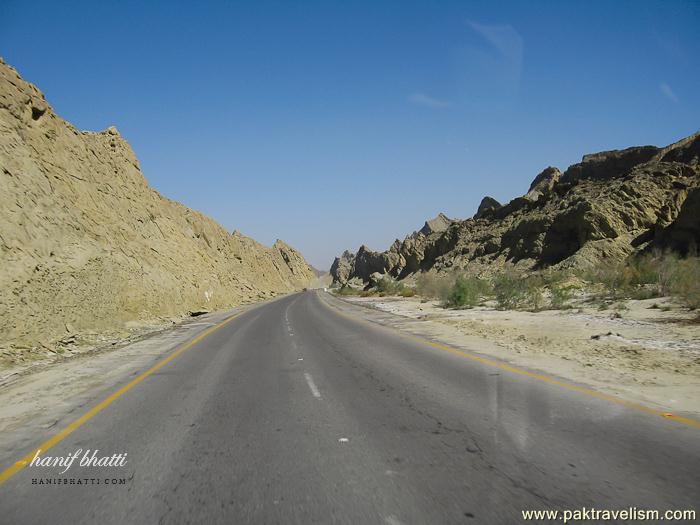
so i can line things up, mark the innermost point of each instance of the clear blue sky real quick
(331, 124)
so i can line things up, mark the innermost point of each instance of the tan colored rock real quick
(85, 243)
(342, 267)
(683, 234)
(375, 279)
(436, 225)
(543, 183)
(486, 204)
(609, 206)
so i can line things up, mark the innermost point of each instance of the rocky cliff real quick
(610, 205)
(86, 244)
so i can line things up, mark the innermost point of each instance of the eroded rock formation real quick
(87, 245)
(608, 206)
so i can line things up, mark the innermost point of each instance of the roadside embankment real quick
(89, 252)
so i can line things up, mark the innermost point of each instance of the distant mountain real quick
(610, 205)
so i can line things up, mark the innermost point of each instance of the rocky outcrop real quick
(610, 205)
(436, 225)
(368, 262)
(402, 258)
(609, 164)
(683, 234)
(487, 204)
(87, 245)
(543, 183)
(686, 151)
(375, 279)
(342, 267)
(300, 271)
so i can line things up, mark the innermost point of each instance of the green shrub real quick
(407, 292)
(507, 289)
(680, 278)
(686, 282)
(388, 286)
(510, 290)
(650, 275)
(552, 277)
(559, 296)
(534, 299)
(640, 277)
(513, 291)
(667, 274)
(466, 292)
(611, 275)
(644, 269)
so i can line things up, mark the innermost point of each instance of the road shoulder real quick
(48, 397)
(658, 387)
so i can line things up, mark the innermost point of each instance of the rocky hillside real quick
(86, 244)
(608, 206)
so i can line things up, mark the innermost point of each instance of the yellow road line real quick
(533, 375)
(72, 427)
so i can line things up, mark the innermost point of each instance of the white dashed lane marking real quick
(312, 385)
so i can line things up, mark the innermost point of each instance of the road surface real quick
(299, 412)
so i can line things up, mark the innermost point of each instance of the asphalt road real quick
(296, 413)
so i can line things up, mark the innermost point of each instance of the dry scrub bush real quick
(433, 286)
(685, 283)
(388, 286)
(559, 296)
(651, 275)
(640, 277)
(636, 278)
(513, 290)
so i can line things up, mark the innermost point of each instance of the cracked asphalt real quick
(300, 412)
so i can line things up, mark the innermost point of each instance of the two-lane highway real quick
(295, 412)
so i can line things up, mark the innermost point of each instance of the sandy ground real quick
(639, 351)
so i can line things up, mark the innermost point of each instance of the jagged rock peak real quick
(487, 203)
(543, 183)
(342, 267)
(437, 224)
